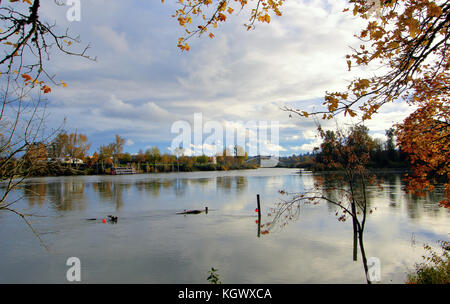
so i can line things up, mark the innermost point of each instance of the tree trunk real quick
(355, 233)
(363, 254)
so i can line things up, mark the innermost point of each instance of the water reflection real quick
(387, 188)
(64, 196)
(70, 194)
(67, 194)
(338, 195)
(35, 193)
(160, 246)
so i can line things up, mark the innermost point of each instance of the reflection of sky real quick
(153, 244)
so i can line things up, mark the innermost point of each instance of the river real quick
(151, 243)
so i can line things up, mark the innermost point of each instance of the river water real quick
(151, 243)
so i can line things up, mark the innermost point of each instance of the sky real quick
(141, 83)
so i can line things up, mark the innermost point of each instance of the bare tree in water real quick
(346, 154)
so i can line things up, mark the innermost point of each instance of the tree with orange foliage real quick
(93, 160)
(214, 12)
(36, 152)
(425, 136)
(410, 40)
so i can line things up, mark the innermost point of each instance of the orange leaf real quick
(27, 77)
(46, 89)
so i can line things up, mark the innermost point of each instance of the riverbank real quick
(54, 169)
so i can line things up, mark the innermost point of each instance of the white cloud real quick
(116, 41)
(293, 137)
(308, 147)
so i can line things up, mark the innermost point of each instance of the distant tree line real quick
(68, 154)
(383, 154)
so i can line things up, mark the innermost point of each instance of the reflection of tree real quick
(152, 187)
(180, 187)
(394, 189)
(228, 183)
(104, 189)
(241, 183)
(166, 183)
(112, 191)
(393, 192)
(224, 182)
(67, 195)
(415, 205)
(35, 193)
(118, 194)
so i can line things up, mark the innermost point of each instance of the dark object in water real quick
(194, 211)
(112, 218)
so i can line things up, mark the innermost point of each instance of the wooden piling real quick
(258, 204)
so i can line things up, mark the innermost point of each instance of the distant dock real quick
(122, 171)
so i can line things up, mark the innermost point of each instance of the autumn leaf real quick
(46, 89)
(27, 77)
(221, 17)
(350, 112)
(188, 9)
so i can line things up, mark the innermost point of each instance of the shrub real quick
(435, 269)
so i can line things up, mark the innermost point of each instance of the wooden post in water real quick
(355, 233)
(259, 214)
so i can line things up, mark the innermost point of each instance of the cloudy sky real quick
(142, 83)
